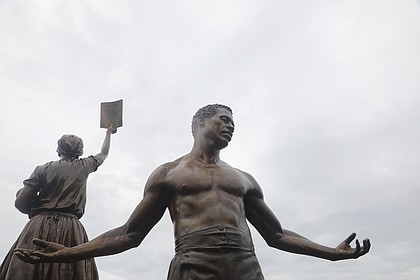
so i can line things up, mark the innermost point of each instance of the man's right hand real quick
(51, 252)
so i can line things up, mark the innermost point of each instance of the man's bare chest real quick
(189, 180)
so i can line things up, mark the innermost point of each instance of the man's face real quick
(219, 128)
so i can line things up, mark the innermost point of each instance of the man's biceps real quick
(252, 213)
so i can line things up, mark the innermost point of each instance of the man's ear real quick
(201, 121)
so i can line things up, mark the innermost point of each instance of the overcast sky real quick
(325, 94)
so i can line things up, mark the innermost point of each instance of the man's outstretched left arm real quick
(267, 224)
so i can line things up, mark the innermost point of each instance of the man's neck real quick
(206, 153)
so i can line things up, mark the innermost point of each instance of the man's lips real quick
(228, 133)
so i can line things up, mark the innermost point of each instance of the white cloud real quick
(325, 100)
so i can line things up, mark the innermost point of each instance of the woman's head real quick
(70, 145)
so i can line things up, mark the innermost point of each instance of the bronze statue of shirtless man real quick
(209, 202)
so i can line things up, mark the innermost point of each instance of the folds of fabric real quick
(57, 227)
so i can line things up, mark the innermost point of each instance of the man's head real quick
(204, 113)
(70, 146)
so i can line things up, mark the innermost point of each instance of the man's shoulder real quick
(163, 169)
(171, 164)
(246, 174)
(158, 179)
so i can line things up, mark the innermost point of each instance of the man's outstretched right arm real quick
(147, 213)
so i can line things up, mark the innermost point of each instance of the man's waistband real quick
(214, 237)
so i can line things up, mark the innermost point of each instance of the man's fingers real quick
(360, 251)
(40, 242)
(19, 250)
(39, 255)
(366, 245)
(350, 238)
(26, 256)
(29, 258)
(357, 245)
(20, 255)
